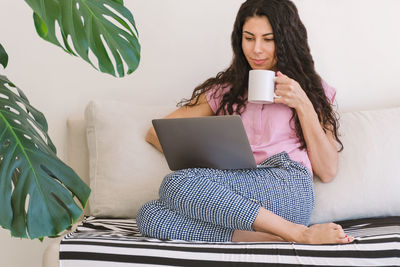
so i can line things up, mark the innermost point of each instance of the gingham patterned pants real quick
(209, 205)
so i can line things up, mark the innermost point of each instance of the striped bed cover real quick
(117, 242)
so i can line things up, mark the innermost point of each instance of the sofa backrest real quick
(125, 171)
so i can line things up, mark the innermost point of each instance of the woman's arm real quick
(202, 108)
(321, 146)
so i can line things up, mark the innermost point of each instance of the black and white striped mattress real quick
(117, 242)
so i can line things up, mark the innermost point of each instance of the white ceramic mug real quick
(261, 86)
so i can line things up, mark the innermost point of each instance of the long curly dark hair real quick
(293, 58)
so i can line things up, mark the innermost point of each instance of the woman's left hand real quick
(289, 92)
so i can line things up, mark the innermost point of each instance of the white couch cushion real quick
(77, 152)
(368, 180)
(125, 171)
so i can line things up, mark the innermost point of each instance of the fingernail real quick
(348, 239)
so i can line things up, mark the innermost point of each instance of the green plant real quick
(38, 192)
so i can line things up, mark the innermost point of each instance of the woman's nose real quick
(257, 47)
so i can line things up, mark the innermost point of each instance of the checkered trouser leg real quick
(229, 199)
(156, 220)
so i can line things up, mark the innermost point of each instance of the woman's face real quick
(258, 43)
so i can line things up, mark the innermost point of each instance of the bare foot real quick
(328, 233)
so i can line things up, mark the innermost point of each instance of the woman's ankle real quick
(297, 234)
(268, 222)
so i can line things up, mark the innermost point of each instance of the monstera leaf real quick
(37, 190)
(91, 25)
(3, 57)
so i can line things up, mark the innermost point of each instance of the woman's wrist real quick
(297, 234)
(305, 108)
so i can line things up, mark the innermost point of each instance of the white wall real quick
(355, 44)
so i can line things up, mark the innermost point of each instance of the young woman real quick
(293, 138)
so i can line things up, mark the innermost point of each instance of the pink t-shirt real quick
(269, 128)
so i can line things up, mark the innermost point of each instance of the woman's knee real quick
(173, 184)
(155, 220)
(146, 217)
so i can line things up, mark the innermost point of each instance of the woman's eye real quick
(268, 40)
(248, 38)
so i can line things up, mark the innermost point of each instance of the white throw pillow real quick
(125, 171)
(368, 180)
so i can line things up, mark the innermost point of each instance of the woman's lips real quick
(259, 61)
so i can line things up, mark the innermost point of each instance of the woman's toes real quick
(346, 239)
(342, 235)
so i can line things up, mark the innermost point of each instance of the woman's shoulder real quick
(219, 89)
(215, 93)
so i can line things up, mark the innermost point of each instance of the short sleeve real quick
(214, 96)
(330, 91)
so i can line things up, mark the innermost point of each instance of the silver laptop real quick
(218, 142)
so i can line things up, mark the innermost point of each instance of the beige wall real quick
(354, 43)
